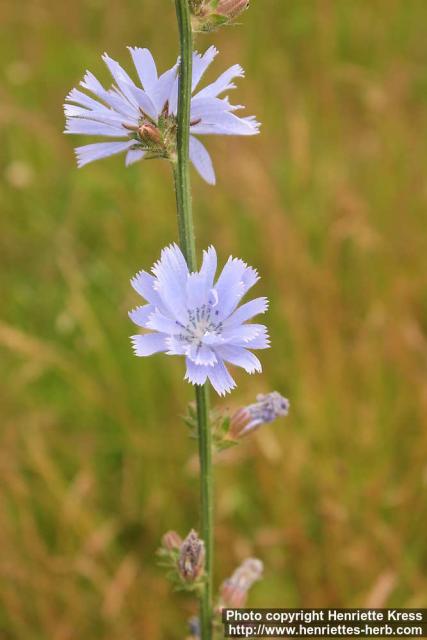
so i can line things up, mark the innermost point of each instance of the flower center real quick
(202, 321)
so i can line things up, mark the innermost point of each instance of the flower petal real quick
(102, 114)
(197, 291)
(143, 283)
(90, 152)
(159, 322)
(209, 265)
(201, 354)
(223, 83)
(171, 258)
(232, 271)
(260, 341)
(201, 63)
(202, 160)
(146, 68)
(162, 92)
(243, 333)
(240, 357)
(227, 124)
(246, 311)
(133, 155)
(80, 98)
(230, 286)
(123, 80)
(140, 315)
(144, 102)
(176, 346)
(148, 344)
(196, 374)
(172, 274)
(234, 282)
(220, 378)
(92, 128)
(173, 97)
(206, 108)
(249, 278)
(114, 100)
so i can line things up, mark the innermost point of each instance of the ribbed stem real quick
(187, 242)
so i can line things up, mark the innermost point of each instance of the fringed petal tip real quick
(148, 344)
(134, 343)
(209, 54)
(134, 278)
(141, 315)
(223, 391)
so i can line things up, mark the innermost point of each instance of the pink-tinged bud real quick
(210, 15)
(239, 420)
(198, 6)
(234, 590)
(191, 560)
(232, 8)
(171, 540)
(266, 409)
(150, 134)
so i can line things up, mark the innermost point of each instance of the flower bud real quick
(234, 590)
(150, 134)
(209, 15)
(191, 558)
(232, 8)
(171, 540)
(266, 409)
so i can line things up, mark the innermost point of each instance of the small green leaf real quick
(226, 444)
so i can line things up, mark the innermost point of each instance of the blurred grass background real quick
(329, 203)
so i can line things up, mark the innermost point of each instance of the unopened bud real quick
(266, 409)
(150, 134)
(232, 8)
(234, 590)
(198, 6)
(191, 558)
(209, 15)
(171, 540)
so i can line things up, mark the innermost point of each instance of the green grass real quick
(329, 203)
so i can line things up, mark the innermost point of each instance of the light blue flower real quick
(141, 120)
(193, 315)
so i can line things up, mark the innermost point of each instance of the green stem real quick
(187, 242)
(181, 167)
(207, 506)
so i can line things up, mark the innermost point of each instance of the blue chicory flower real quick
(193, 315)
(144, 119)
